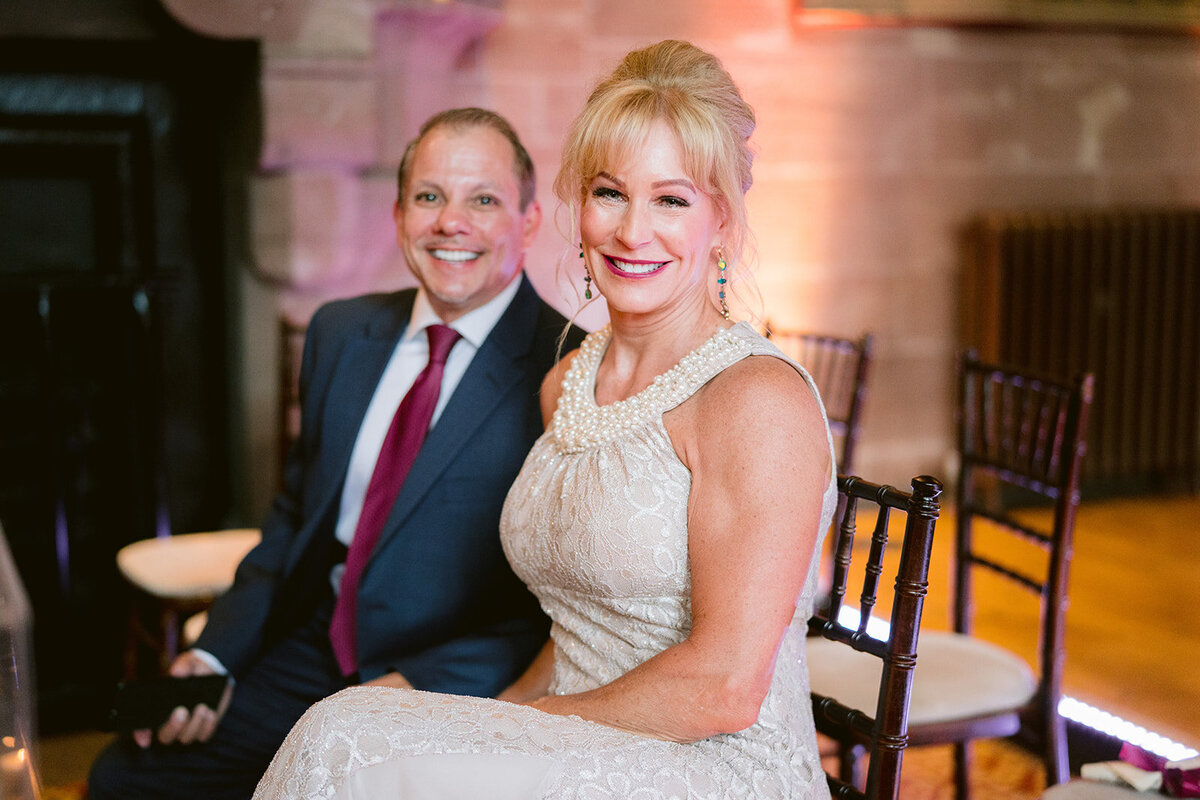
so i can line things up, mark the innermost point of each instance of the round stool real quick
(180, 575)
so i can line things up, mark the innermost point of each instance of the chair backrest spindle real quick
(843, 548)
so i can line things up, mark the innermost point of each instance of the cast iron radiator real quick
(1113, 291)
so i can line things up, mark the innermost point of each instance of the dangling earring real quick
(587, 278)
(721, 266)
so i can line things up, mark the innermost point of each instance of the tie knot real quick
(441, 339)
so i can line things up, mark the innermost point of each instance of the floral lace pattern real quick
(596, 525)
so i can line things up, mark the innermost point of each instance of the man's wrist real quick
(211, 660)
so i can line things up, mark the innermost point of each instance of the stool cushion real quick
(957, 677)
(189, 566)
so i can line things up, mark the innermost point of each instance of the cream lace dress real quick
(596, 525)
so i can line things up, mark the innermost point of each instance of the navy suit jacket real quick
(437, 601)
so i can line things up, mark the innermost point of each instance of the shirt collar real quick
(474, 326)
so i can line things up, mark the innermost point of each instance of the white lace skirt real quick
(371, 742)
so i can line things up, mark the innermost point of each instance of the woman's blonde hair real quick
(687, 88)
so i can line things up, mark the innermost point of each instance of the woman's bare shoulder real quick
(761, 387)
(755, 413)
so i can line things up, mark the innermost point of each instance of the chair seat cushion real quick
(957, 677)
(189, 566)
(1091, 790)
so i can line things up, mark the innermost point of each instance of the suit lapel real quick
(352, 381)
(494, 371)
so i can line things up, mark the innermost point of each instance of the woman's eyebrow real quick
(684, 182)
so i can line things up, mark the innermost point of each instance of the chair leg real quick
(152, 637)
(1055, 754)
(133, 642)
(962, 770)
(170, 637)
(143, 643)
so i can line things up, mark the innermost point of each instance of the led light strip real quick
(1069, 707)
(1124, 730)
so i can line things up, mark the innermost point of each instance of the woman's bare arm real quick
(535, 680)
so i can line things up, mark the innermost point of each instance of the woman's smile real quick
(633, 269)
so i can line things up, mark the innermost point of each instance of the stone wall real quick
(875, 146)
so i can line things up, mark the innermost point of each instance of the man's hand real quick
(187, 726)
(392, 680)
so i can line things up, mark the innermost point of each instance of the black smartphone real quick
(149, 703)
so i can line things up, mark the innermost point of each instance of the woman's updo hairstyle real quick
(690, 91)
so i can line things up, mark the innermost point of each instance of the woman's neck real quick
(640, 349)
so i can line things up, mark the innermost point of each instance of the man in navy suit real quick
(438, 607)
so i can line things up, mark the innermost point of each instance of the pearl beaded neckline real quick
(579, 424)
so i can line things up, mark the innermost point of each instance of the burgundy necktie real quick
(400, 447)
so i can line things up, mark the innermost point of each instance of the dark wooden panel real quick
(114, 393)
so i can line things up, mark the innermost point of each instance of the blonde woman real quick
(667, 520)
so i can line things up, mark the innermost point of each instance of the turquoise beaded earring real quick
(721, 267)
(587, 278)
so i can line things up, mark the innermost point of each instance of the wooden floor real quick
(1133, 643)
(1133, 630)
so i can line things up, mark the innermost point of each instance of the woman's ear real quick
(722, 229)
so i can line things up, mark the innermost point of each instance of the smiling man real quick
(380, 560)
